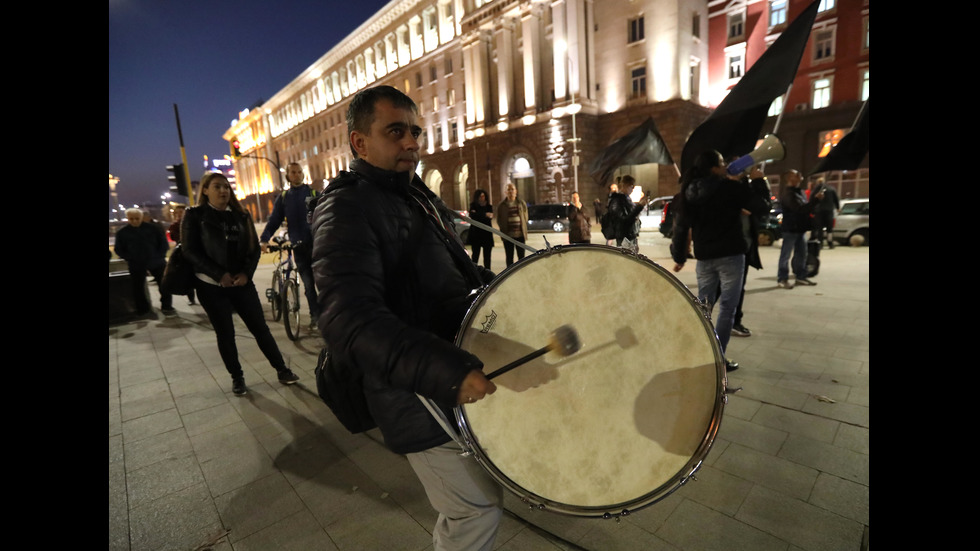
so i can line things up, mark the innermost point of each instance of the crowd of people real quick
(388, 281)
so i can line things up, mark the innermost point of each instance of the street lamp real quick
(573, 108)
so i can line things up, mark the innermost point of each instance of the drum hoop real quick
(617, 509)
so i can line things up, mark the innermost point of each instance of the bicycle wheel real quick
(275, 296)
(290, 306)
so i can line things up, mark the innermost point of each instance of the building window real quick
(435, 103)
(777, 12)
(438, 142)
(695, 79)
(736, 66)
(821, 93)
(635, 29)
(776, 107)
(450, 97)
(418, 79)
(736, 25)
(454, 135)
(866, 45)
(865, 84)
(433, 74)
(823, 45)
(696, 25)
(826, 5)
(638, 78)
(449, 65)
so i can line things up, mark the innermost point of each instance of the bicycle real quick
(284, 293)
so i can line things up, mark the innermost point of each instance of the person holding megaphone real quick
(712, 203)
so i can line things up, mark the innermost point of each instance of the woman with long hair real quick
(219, 240)
(482, 211)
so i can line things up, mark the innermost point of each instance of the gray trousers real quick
(469, 501)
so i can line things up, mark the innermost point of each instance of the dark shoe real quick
(287, 377)
(730, 366)
(804, 281)
(740, 330)
(169, 312)
(238, 386)
(314, 329)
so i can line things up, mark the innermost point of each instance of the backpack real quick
(341, 387)
(607, 225)
(339, 384)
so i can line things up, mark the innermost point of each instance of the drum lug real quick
(732, 390)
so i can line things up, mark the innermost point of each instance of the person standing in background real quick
(480, 239)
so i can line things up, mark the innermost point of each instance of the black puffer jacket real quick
(712, 208)
(203, 234)
(393, 290)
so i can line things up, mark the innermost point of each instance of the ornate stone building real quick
(523, 91)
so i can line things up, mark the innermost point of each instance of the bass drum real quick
(615, 427)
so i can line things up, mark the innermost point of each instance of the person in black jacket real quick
(218, 239)
(480, 239)
(796, 222)
(712, 204)
(626, 215)
(144, 247)
(395, 283)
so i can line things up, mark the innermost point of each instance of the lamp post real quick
(573, 108)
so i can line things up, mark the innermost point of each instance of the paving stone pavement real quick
(193, 467)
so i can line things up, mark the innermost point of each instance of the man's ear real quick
(357, 141)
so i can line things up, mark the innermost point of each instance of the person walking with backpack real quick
(625, 215)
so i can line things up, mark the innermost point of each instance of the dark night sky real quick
(213, 58)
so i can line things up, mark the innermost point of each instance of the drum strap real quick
(441, 419)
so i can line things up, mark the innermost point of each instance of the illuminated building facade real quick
(831, 84)
(502, 87)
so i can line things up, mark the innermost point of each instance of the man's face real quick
(392, 143)
(294, 174)
(511, 193)
(135, 218)
(793, 180)
(178, 215)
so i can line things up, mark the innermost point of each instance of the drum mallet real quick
(564, 341)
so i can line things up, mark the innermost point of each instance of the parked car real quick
(771, 229)
(667, 220)
(652, 214)
(853, 222)
(547, 218)
(462, 227)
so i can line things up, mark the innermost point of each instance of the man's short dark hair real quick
(360, 113)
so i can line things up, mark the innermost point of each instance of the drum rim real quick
(616, 509)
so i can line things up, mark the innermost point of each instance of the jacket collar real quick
(397, 181)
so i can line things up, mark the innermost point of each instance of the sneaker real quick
(238, 386)
(730, 366)
(740, 330)
(804, 281)
(314, 329)
(169, 312)
(287, 377)
(785, 284)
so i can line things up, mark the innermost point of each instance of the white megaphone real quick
(771, 149)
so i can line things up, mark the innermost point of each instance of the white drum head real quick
(618, 425)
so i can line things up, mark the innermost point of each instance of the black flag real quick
(851, 149)
(735, 125)
(643, 144)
